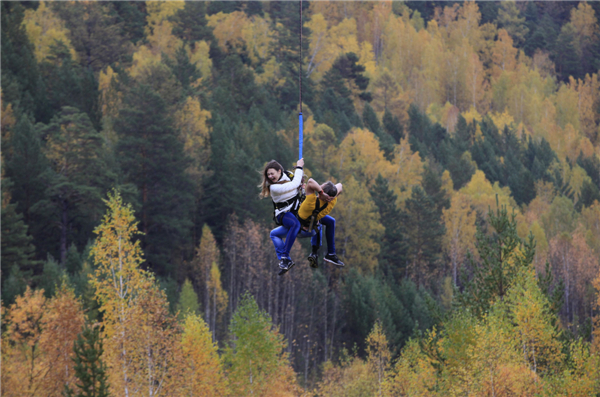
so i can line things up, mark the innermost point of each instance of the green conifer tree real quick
(17, 248)
(69, 84)
(424, 232)
(133, 16)
(184, 70)
(97, 33)
(89, 368)
(392, 255)
(25, 164)
(537, 158)
(455, 155)
(566, 55)
(15, 284)
(503, 254)
(336, 94)
(22, 83)
(509, 19)
(425, 136)
(76, 179)
(370, 120)
(151, 156)
(392, 126)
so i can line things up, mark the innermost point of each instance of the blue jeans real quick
(291, 227)
(278, 234)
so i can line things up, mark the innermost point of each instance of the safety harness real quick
(311, 223)
(294, 201)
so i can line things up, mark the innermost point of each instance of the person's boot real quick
(285, 264)
(332, 258)
(313, 258)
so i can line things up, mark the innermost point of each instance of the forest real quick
(135, 250)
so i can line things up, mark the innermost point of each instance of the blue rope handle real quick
(300, 133)
(300, 137)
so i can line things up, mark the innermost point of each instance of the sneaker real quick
(332, 258)
(285, 264)
(313, 260)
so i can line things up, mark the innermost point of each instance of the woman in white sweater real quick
(285, 195)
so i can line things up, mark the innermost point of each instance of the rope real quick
(300, 68)
(300, 121)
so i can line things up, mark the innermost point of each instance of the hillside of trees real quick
(136, 257)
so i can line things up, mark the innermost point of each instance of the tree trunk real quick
(63, 231)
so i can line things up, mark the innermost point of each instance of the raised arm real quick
(312, 186)
(290, 186)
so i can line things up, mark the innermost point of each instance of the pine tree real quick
(15, 283)
(97, 34)
(399, 306)
(76, 178)
(190, 25)
(535, 38)
(89, 367)
(502, 254)
(17, 250)
(392, 256)
(538, 157)
(25, 164)
(285, 22)
(424, 232)
(336, 90)
(68, 84)
(424, 136)
(370, 120)
(133, 16)
(589, 194)
(151, 157)
(456, 157)
(230, 154)
(486, 152)
(591, 165)
(392, 126)
(184, 70)
(432, 184)
(509, 19)
(565, 54)
(22, 84)
(518, 178)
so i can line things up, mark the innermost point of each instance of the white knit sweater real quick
(285, 191)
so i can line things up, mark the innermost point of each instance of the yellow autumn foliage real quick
(44, 29)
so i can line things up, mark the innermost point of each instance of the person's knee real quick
(293, 222)
(331, 222)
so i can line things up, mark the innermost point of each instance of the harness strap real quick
(316, 212)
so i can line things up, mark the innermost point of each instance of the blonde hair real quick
(265, 185)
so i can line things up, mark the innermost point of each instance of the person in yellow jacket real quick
(313, 214)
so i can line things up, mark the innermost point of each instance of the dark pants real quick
(278, 234)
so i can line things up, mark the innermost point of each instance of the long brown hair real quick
(266, 183)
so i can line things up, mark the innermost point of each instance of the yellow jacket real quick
(310, 203)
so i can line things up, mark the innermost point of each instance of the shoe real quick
(313, 260)
(285, 264)
(332, 258)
